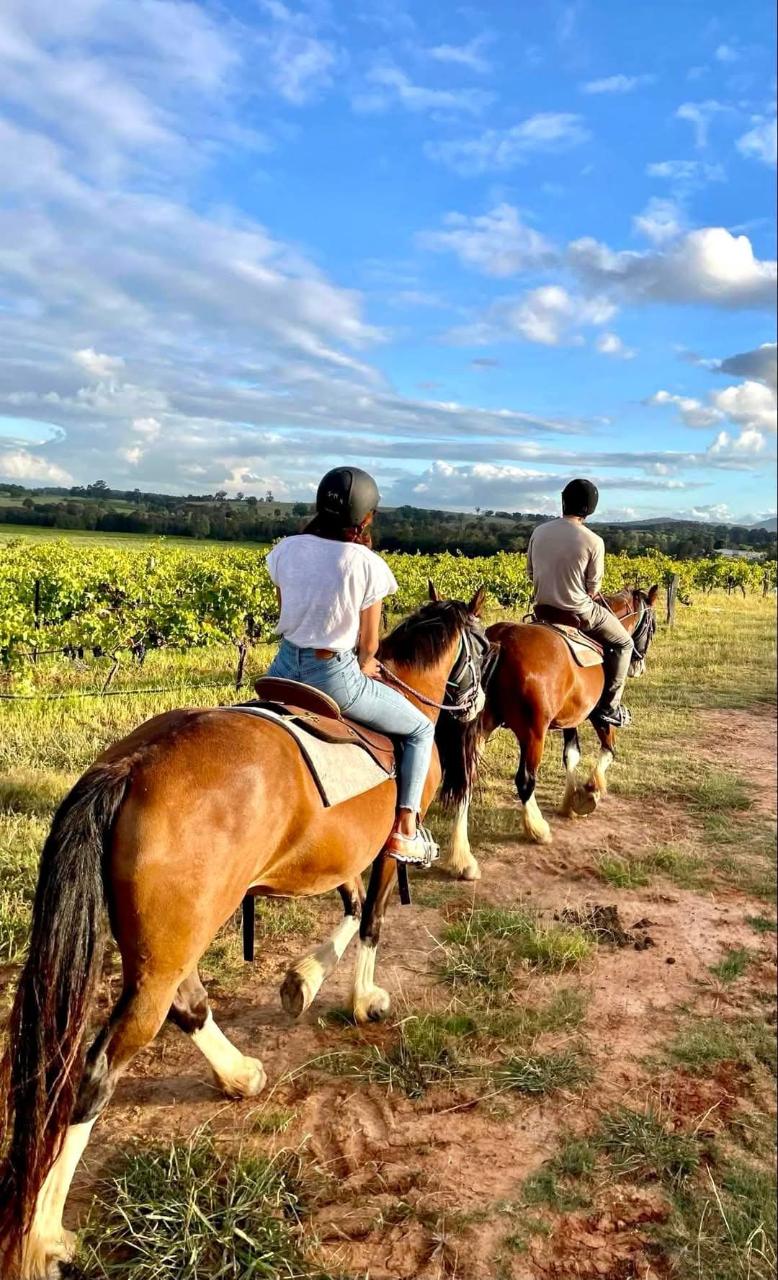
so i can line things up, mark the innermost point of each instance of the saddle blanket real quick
(340, 770)
(587, 653)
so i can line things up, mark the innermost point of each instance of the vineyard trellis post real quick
(672, 597)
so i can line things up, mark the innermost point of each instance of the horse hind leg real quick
(597, 783)
(531, 755)
(236, 1075)
(134, 1022)
(305, 976)
(571, 758)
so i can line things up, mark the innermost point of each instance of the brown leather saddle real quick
(321, 716)
(586, 651)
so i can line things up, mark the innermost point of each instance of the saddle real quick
(586, 651)
(320, 715)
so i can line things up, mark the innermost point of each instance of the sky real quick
(477, 249)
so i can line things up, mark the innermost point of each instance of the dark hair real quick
(329, 527)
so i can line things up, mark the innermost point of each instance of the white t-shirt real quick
(324, 587)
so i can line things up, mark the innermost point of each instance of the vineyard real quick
(60, 598)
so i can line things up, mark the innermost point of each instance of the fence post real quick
(242, 654)
(672, 596)
(37, 608)
(765, 584)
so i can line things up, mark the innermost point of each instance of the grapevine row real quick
(61, 596)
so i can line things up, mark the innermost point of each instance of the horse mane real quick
(419, 643)
(422, 639)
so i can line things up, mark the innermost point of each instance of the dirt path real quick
(426, 1188)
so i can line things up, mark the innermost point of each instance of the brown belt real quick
(323, 654)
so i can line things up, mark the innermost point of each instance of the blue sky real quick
(477, 249)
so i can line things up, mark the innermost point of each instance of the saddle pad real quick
(340, 770)
(587, 653)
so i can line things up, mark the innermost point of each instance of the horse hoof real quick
(251, 1080)
(295, 998)
(585, 802)
(42, 1259)
(471, 871)
(373, 1007)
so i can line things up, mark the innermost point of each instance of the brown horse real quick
(166, 832)
(538, 686)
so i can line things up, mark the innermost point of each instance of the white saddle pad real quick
(340, 771)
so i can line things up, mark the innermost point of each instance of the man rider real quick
(566, 562)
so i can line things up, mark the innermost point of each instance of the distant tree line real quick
(244, 519)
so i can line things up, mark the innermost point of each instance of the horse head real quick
(644, 630)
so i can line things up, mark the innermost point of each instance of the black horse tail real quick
(458, 748)
(43, 1060)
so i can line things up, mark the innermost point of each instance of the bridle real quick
(468, 677)
(645, 629)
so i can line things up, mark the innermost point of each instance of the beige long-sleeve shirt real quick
(566, 562)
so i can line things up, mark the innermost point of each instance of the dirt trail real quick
(421, 1188)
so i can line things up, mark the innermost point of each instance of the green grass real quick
(763, 924)
(488, 947)
(86, 537)
(677, 863)
(639, 1146)
(426, 1050)
(723, 1228)
(704, 1042)
(542, 1073)
(733, 965)
(185, 1211)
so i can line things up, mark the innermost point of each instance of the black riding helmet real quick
(347, 495)
(580, 498)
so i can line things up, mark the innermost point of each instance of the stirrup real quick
(621, 718)
(421, 851)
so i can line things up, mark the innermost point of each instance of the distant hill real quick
(770, 524)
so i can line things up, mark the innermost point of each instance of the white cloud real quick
(749, 441)
(751, 405)
(705, 266)
(617, 84)
(761, 142)
(699, 115)
(660, 221)
(686, 172)
(500, 150)
(610, 344)
(726, 53)
(389, 86)
(497, 243)
(693, 412)
(20, 465)
(470, 55)
(97, 364)
(299, 63)
(551, 316)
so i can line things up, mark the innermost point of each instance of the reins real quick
(420, 697)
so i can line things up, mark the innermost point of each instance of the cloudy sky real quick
(477, 249)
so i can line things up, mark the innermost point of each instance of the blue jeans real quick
(370, 703)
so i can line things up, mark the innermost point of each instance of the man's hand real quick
(371, 668)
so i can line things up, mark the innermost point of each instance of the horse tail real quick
(41, 1068)
(458, 750)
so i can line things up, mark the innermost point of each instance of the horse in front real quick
(165, 834)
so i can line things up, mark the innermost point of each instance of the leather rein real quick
(471, 697)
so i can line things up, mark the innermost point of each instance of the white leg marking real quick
(236, 1075)
(460, 861)
(572, 761)
(48, 1243)
(535, 824)
(305, 976)
(369, 1002)
(604, 762)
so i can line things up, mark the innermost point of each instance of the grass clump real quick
(762, 924)
(724, 1227)
(183, 1211)
(639, 1147)
(542, 1073)
(707, 1041)
(425, 1053)
(685, 868)
(733, 965)
(485, 948)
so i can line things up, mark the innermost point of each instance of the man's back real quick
(566, 562)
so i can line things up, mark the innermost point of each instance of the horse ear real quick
(652, 595)
(434, 597)
(477, 603)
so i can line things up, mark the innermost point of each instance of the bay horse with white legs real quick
(538, 686)
(165, 833)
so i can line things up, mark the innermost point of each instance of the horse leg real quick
(305, 976)
(236, 1075)
(459, 861)
(531, 754)
(136, 1019)
(607, 735)
(571, 758)
(369, 1002)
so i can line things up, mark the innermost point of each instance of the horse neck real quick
(431, 682)
(631, 609)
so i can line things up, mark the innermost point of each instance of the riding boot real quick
(616, 668)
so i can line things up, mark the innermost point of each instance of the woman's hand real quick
(371, 668)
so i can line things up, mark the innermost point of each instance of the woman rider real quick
(330, 586)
